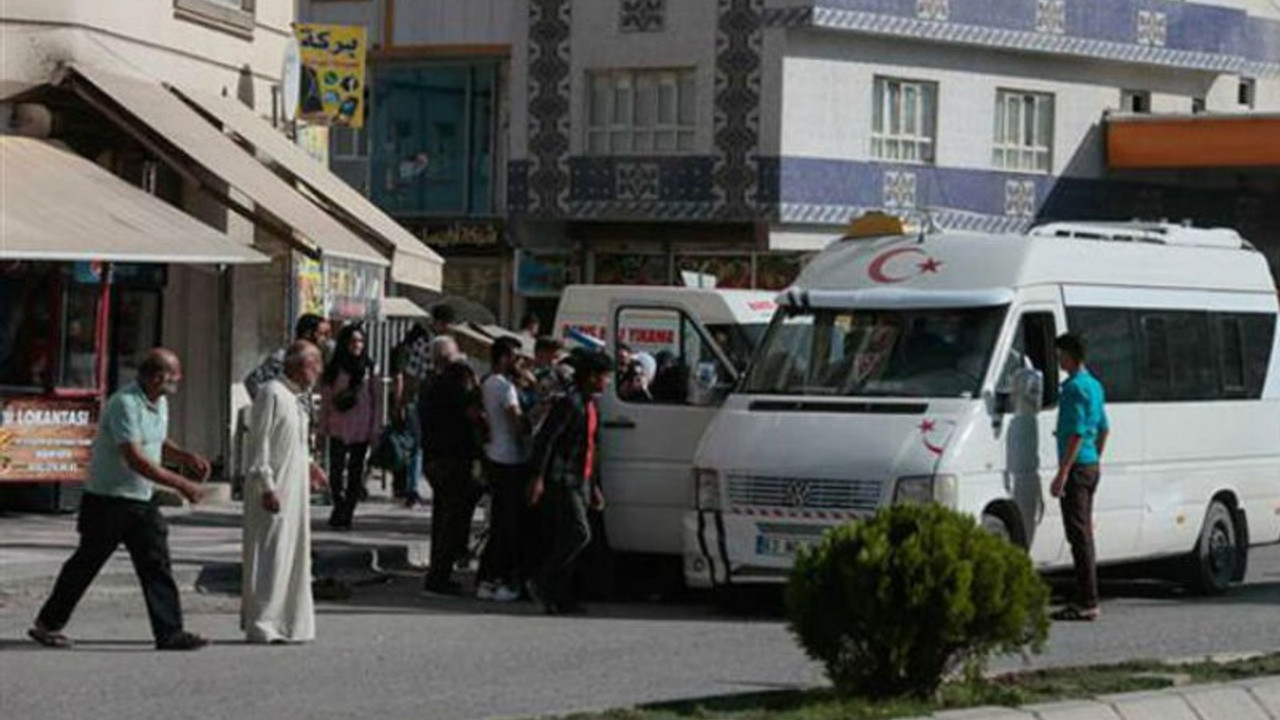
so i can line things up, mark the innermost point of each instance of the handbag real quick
(395, 448)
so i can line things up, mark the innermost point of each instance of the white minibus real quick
(921, 367)
(702, 339)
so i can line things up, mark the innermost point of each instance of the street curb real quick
(351, 563)
(1254, 699)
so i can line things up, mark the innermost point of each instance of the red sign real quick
(46, 439)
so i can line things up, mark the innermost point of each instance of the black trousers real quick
(1077, 519)
(346, 479)
(504, 552)
(570, 528)
(454, 494)
(104, 523)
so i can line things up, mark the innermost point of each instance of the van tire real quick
(994, 522)
(1211, 566)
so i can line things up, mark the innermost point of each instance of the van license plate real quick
(783, 545)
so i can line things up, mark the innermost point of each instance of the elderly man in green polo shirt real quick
(127, 454)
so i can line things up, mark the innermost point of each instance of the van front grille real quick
(804, 493)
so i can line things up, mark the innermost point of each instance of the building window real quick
(641, 112)
(1198, 105)
(1135, 101)
(1247, 93)
(232, 15)
(905, 120)
(432, 128)
(349, 156)
(1024, 131)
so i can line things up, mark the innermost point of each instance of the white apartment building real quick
(651, 137)
(176, 99)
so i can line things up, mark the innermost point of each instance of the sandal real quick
(49, 638)
(1071, 613)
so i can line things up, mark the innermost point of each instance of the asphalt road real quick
(391, 655)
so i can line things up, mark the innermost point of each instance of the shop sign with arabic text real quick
(333, 73)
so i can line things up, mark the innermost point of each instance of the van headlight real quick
(941, 489)
(706, 484)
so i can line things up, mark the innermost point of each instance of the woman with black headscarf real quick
(350, 418)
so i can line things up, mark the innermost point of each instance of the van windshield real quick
(738, 341)
(876, 353)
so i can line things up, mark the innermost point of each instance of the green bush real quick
(893, 604)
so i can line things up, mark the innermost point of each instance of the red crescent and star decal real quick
(935, 434)
(880, 272)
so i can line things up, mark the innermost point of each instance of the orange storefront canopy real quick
(1146, 142)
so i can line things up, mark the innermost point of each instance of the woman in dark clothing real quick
(350, 418)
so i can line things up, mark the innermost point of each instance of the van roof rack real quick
(1161, 233)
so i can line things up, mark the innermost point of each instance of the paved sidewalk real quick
(1257, 699)
(205, 543)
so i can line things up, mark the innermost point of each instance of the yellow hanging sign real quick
(333, 72)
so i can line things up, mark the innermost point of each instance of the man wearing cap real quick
(566, 480)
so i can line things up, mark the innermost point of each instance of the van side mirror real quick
(1026, 396)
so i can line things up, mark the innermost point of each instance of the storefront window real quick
(48, 325)
(731, 272)
(432, 138)
(136, 325)
(78, 368)
(28, 300)
(631, 269)
(777, 272)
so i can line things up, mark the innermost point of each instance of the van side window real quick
(681, 367)
(1155, 357)
(1231, 344)
(1186, 355)
(1113, 349)
(1033, 349)
(1259, 337)
(1193, 367)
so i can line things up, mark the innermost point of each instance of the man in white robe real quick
(276, 604)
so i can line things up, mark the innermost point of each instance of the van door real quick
(1030, 450)
(648, 439)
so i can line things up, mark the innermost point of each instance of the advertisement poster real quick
(308, 285)
(314, 141)
(333, 72)
(46, 439)
(353, 290)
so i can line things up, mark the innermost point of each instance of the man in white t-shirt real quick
(506, 454)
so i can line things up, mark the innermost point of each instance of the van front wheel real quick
(997, 526)
(1212, 563)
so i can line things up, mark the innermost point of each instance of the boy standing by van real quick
(1082, 438)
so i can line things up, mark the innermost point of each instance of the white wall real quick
(455, 22)
(688, 41)
(828, 81)
(142, 38)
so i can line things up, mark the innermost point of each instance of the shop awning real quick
(1146, 142)
(56, 205)
(412, 262)
(402, 307)
(133, 100)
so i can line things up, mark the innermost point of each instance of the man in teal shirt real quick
(116, 507)
(1082, 437)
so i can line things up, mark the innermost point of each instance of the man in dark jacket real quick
(450, 417)
(566, 480)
